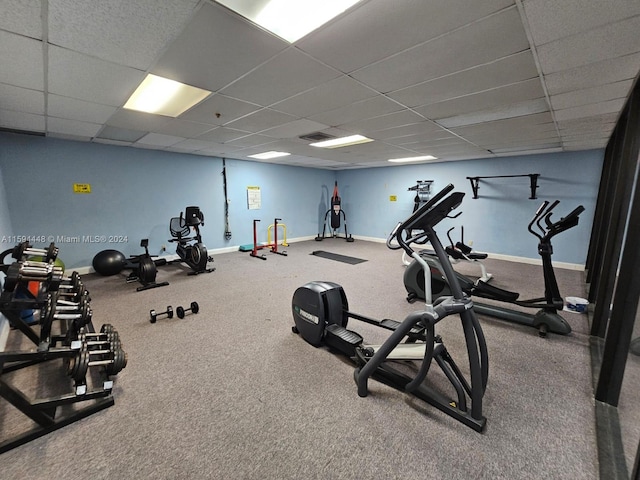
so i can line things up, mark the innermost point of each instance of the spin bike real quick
(547, 318)
(320, 313)
(191, 250)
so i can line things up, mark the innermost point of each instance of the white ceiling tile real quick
(346, 43)
(382, 122)
(504, 95)
(517, 109)
(72, 127)
(183, 128)
(108, 141)
(285, 75)
(120, 31)
(476, 44)
(192, 145)
(328, 96)
(78, 76)
(587, 96)
(156, 139)
(592, 136)
(508, 70)
(74, 109)
(219, 110)
(215, 49)
(440, 134)
(371, 107)
(221, 135)
(21, 99)
(581, 145)
(422, 128)
(220, 150)
(594, 74)
(121, 134)
(511, 126)
(261, 120)
(610, 41)
(497, 147)
(531, 151)
(294, 129)
(458, 61)
(137, 120)
(24, 56)
(22, 16)
(588, 124)
(28, 122)
(591, 109)
(552, 19)
(252, 140)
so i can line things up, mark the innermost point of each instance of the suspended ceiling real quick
(457, 79)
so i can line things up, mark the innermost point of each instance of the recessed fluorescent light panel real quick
(162, 96)
(289, 19)
(342, 142)
(269, 155)
(412, 159)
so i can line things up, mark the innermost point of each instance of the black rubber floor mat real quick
(337, 257)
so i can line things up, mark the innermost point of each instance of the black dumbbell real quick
(182, 311)
(153, 315)
(80, 363)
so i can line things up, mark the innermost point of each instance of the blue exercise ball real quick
(109, 262)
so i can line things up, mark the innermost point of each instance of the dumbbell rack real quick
(73, 320)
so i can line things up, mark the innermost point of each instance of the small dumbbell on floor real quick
(153, 315)
(195, 308)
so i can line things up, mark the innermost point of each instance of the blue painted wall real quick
(135, 192)
(5, 219)
(5, 230)
(5, 223)
(497, 221)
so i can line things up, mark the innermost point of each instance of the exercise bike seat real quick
(178, 229)
(469, 253)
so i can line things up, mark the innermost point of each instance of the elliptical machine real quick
(191, 250)
(335, 212)
(320, 313)
(547, 318)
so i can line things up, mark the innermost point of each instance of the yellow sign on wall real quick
(81, 188)
(393, 198)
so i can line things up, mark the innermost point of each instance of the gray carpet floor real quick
(232, 393)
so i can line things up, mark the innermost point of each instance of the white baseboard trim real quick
(498, 256)
(214, 251)
(536, 261)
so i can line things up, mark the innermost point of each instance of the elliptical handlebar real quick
(542, 211)
(391, 236)
(545, 212)
(565, 223)
(421, 219)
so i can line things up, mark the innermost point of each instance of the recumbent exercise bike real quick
(190, 249)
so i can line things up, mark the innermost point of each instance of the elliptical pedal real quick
(342, 339)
